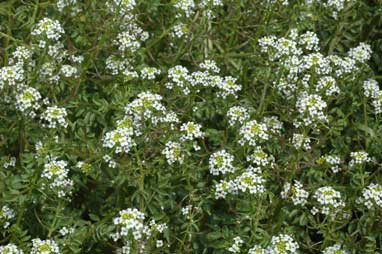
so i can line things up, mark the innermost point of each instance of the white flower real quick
(28, 97)
(191, 131)
(10, 249)
(69, 71)
(332, 160)
(300, 141)
(180, 30)
(121, 139)
(149, 73)
(221, 162)
(55, 116)
(228, 87)
(251, 182)
(257, 249)
(359, 158)
(253, 132)
(44, 247)
(371, 196)
(57, 176)
(335, 249)
(283, 244)
(329, 201)
(295, 192)
(311, 107)
(225, 187)
(328, 85)
(185, 6)
(50, 28)
(260, 158)
(6, 215)
(237, 114)
(235, 248)
(11, 75)
(361, 53)
(173, 153)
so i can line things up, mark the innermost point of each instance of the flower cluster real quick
(359, 158)
(52, 29)
(181, 77)
(371, 196)
(28, 98)
(131, 228)
(55, 116)
(329, 201)
(283, 244)
(260, 158)
(295, 192)
(253, 132)
(300, 141)
(191, 131)
(10, 249)
(11, 75)
(237, 243)
(237, 114)
(44, 247)
(173, 152)
(335, 249)
(6, 216)
(311, 107)
(221, 162)
(372, 91)
(149, 73)
(56, 174)
(332, 161)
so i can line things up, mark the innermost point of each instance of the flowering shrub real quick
(190, 126)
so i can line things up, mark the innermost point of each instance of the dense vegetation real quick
(190, 126)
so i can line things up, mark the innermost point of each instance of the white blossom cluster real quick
(131, 40)
(237, 114)
(300, 141)
(11, 162)
(6, 216)
(329, 201)
(237, 243)
(55, 116)
(11, 75)
(52, 29)
(180, 30)
(110, 162)
(28, 98)
(121, 139)
(253, 132)
(333, 161)
(257, 249)
(310, 107)
(57, 175)
(250, 180)
(180, 76)
(295, 192)
(361, 53)
(371, 196)
(187, 210)
(149, 73)
(335, 249)
(191, 131)
(122, 7)
(131, 227)
(44, 247)
(261, 158)
(124, 67)
(147, 107)
(283, 244)
(173, 152)
(225, 187)
(372, 91)
(62, 4)
(10, 249)
(359, 158)
(221, 162)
